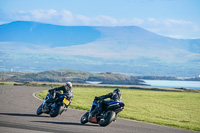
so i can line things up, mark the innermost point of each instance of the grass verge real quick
(175, 109)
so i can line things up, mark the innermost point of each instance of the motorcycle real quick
(53, 104)
(104, 118)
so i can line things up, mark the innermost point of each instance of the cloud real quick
(42, 14)
(167, 27)
(173, 28)
(65, 17)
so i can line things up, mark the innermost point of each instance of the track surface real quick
(17, 115)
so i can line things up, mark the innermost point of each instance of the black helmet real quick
(117, 91)
(117, 94)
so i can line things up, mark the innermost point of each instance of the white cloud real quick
(172, 23)
(167, 27)
(151, 19)
(175, 36)
(83, 19)
(65, 17)
(172, 28)
(43, 14)
(104, 20)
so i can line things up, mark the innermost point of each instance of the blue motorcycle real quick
(53, 104)
(104, 118)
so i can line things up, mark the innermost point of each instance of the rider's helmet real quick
(68, 84)
(118, 93)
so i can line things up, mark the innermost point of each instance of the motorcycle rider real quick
(67, 91)
(114, 96)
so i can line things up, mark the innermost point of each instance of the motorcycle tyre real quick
(55, 111)
(39, 110)
(108, 119)
(83, 121)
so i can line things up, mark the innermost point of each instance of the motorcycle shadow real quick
(66, 123)
(25, 115)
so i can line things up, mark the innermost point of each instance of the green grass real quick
(7, 83)
(175, 109)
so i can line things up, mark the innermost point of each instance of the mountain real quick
(33, 46)
(46, 34)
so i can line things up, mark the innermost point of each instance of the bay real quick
(174, 84)
(162, 84)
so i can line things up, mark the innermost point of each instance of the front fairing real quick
(48, 96)
(94, 105)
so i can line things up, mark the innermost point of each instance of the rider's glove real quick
(66, 96)
(96, 98)
(50, 90)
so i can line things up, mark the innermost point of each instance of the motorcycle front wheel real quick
(39, 110)
(84, 118)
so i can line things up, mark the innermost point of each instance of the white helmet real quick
(69, 84)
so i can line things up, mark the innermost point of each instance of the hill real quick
(71, 75)
(33, 47)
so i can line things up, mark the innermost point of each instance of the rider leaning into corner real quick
(66, 89)
(114, 96)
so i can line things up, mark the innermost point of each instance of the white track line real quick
(36, 97)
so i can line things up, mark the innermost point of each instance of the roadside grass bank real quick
(174, 109)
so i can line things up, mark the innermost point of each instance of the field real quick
(175, 109)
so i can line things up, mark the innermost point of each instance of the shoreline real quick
(53, 84)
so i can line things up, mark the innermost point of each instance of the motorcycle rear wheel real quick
(108, 119)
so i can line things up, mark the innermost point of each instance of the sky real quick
(172, 18)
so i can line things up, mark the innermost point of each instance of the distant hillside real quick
(46, 34)
(32, 47)
(129, 40)
(71, 75)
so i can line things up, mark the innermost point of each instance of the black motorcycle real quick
(54, 103)
(104, 118)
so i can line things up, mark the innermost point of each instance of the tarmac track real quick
(18, 115)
